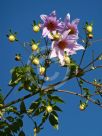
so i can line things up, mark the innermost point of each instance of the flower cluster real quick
(63, 34)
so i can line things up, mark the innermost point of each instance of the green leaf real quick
(21, 133)
(22, 107)
(39, 111)
(19, 122)
(56, 108)
(44, 117)
(56, 99)
(54, 113)
(1, 98)
(53, 121)
(10, 118)
(34, 105)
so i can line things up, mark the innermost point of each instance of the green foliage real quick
(24, 75)
(53, 119)
(55, 99)
(21, 133)
(1, 98)
(22, 107)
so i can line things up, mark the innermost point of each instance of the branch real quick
(97, 85)
(32, 94)
(83, 96)
(92, 69)
(8, 93)
(92, 61)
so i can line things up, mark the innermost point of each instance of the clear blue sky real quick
(18, 15)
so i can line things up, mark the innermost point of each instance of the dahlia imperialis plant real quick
(59, 42)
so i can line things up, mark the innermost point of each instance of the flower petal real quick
(43, 17)
(45, 32)
(67, 19)
(75, 22)
(61, 56)
(53, 13)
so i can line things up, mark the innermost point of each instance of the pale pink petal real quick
(43, 17)
(61, 56)
(53, 53)
(67, 19)
(45, 32)
(78, 47)
(76, 21)
(53, 13)
(50, 36)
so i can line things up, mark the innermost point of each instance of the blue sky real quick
(18, 15)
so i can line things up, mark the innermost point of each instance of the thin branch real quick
(11, 90)
(92, 61)
(80, 95)
(94, 84)
(32, 94)
(79, 85)
(92, 69)
(19, 100)
(83, 54)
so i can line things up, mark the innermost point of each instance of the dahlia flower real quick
(72, 26)
(50, 24)
(66, 44)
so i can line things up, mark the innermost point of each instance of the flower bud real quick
(56, 36)
(11, 38)
(67, 60)
(34, 47)
(35, 61)
(17, 57)
(90, 36)
(47, 78)
(82, 106)
(49, 109)
(36, 28)
(42, 70)
(89, 28)
(1, 105)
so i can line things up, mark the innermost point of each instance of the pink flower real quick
(50, 24)
(72, 26)
(67, 43)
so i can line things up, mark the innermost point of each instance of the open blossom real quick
(50, 24)
(72, 26)
(67, 43)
